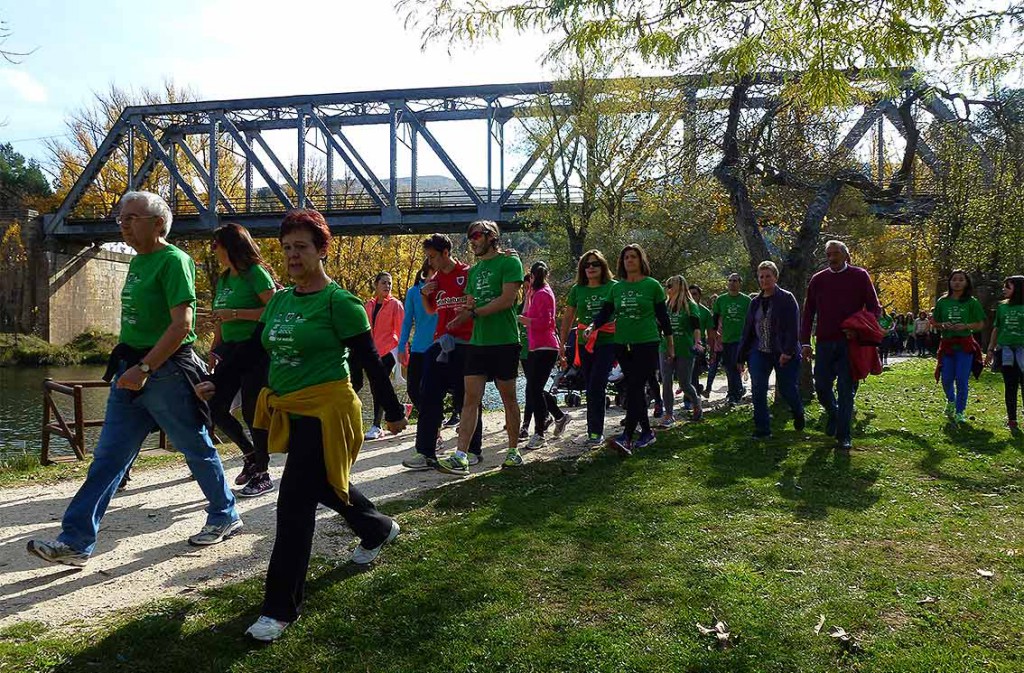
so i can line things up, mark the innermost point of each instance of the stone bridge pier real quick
(70, 287)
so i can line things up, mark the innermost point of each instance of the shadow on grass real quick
(827, 480)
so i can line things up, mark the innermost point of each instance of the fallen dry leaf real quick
(987, 574)
(723, 639)
(821, 623)
(846, 640)
(927, 600)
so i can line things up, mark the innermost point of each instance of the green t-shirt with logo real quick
(950, 310)
(682, 331)
(1010, 323)
(241, 291)
(303, 335)
(156, 282)
(634, 310)
(588, 301)
(486, 280)
(707, 321)
(734, 314)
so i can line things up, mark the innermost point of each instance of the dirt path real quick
(143, 553)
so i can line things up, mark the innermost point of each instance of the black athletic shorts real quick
(497, 363)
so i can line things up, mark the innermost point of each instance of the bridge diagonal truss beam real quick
(258, 136)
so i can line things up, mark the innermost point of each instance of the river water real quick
(21, 406)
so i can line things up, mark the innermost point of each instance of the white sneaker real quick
(363, 556)
(266, 629)
(474, 459)
(373, 433)
(214, 534)
(536, 442)
(561, 423)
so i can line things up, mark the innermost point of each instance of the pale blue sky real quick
(223, 49)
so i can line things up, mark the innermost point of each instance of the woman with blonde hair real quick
(685, 318)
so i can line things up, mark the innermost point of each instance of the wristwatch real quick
(144, 368)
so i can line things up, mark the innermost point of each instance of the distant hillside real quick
(424, 183)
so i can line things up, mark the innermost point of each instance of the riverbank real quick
(25, 350)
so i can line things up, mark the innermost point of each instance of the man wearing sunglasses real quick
(493, 353)
(730, 314)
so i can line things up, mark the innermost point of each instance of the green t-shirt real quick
(682, 331)
(156, 283)
(707, 321)
(948, 309)
(303, 335)
(486, 280)
(1010, 323)
(588, 302)
(634, 310)
(241, 291)
(734, 314)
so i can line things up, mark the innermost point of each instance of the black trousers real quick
(302, 487)
(230, 376)
(1012, 381)
(356, 377)
(639, 364)
(527, 402)
(539, 364)
(438, 379)
(414, 378)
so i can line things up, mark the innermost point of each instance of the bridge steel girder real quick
(167, 127)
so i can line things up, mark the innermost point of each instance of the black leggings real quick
(414, 378)
(230, 377)
(302, 487)
(356, 376)
(639, 363)
(541, 402)
(1013, 380)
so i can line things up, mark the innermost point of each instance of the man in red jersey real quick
(443, 363)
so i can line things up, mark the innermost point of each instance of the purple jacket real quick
(784, 325)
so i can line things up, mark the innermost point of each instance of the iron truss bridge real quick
(206, 157)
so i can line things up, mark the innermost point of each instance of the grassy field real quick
(602, 564)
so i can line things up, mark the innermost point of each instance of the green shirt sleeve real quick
(512, 270)
(260, 280)
(348, 315)
(178, 280)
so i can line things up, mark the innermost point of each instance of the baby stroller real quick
(571, 381)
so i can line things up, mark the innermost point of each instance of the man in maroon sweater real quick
(833, 295)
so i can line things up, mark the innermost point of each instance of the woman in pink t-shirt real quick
(539, 319)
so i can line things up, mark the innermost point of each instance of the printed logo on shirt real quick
(461, 280)
(129, 312)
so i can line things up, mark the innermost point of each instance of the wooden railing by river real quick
(74, 431)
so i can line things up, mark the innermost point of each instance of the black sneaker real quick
(452, 421)
(258, 485)
(799, 422)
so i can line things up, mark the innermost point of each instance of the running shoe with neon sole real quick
(593, 440)
(474, 459)
(960, 417)
(453, 464)
(950, 411)
(512, 459)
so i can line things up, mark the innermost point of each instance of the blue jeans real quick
(786, 385)
(730, 355)
(956, 374)
(832, 376)
(164, 402)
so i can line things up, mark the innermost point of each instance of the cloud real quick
(28, 88)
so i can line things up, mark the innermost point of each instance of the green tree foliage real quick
(737, 38)
(24, 177)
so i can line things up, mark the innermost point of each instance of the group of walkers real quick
(907, 334)
(297, 356)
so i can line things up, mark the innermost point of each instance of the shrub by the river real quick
(91, 346)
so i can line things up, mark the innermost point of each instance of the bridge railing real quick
(357, 201)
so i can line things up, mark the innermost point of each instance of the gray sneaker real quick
(57, 552)
(213, 534)
(474, 458)
(561, 423)
(417, 461)
(363, 556)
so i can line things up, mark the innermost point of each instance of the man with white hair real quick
(152, 370)
(833, 295)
